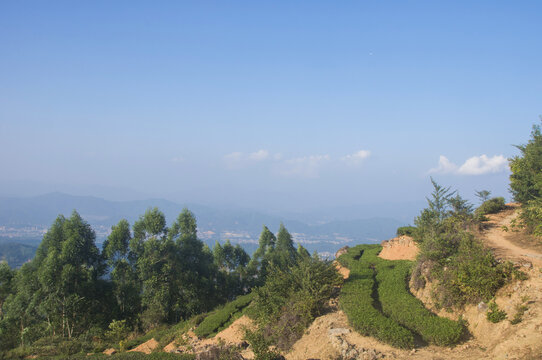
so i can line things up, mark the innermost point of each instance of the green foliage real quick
(16, 254)
(472, 274)
(491, 206)
(526, 181)
(292, 297)
(406, 230)
(382, 288)
(118, 330)
(483, 195)
(400, 305)
(518, 317)
(461, 269)
(358, 301)
(156, 276)
(260, 345)
(221, 316)
(494, 314)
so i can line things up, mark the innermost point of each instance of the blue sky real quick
(287, 106)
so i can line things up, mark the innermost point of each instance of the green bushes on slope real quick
(400, 310)
(400, 305)
(357, 302)
(220, 317)
(491, 206)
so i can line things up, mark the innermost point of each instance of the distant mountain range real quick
(242, 226)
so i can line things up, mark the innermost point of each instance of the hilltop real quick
(331, 336)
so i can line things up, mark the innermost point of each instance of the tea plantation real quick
(378, 303)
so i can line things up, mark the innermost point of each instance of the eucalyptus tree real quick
(123, 272)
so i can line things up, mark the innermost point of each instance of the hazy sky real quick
(285, 105)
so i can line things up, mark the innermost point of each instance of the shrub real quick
(406, 230)
(491, 206)
(260, 346)
(470, 275)
(400, 305)
(292, 297)
(494, 314)
(221, 316)
(118, 330)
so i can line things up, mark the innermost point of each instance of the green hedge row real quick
(400, 305)
(402, 314)
(218, 318)
(357, 302)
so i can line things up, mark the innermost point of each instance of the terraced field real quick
(378, 303)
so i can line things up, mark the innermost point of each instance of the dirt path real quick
(502, 242)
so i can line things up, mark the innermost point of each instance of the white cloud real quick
(357, 157)
(304, 167)
(476, 165)
(259, 155)
(445, 166)
(177, 159)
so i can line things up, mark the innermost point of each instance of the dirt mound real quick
(399, 248)
(345, 272)
(342, 251)
(231, 336)
(236, 331)
(147, 347)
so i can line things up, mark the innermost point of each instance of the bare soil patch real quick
(399, 248)
(147, 347)
(509, 244)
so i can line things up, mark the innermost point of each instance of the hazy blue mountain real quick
(240, 225)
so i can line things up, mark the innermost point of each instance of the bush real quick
(406, 230)
(260, 346)
(494, 314)
(292, 297)
(400, 305)
(469, 276)
(491, 206)
(218, 318)
(356, 300)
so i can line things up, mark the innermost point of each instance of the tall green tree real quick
(526, 177)
(195, 272)
(526, 181)
(6, 284)
(123, 272)
(258, 265)
(285, 252)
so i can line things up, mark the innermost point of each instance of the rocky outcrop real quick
(350, 351)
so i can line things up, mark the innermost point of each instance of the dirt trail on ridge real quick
(502, 242)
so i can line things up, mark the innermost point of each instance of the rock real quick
(210, 353)
(342, 251)
(482, 307)
(110, 351)
(338, 331)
